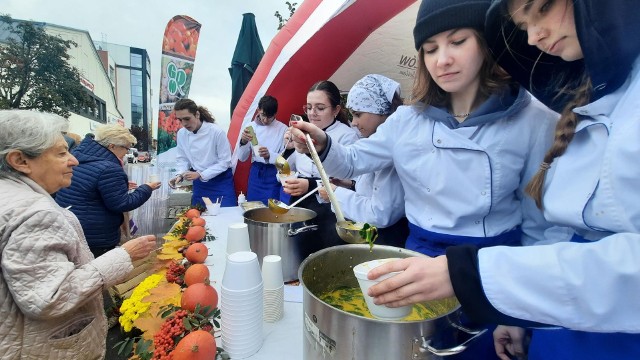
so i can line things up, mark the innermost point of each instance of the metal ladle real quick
(279, 207)
(281, 163)
(347, 230)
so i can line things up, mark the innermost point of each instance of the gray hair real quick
(30, 132)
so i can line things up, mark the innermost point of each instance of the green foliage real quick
(281, 20)
(35, 72)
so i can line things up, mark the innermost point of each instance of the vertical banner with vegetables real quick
(178, 55)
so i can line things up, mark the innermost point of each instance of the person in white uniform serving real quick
(376, 198)
(269, 133)
(204, 155)
(583, 55)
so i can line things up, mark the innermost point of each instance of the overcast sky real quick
(141, 23)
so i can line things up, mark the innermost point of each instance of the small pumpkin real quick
(195, 233)
(196, 273)
(192, 213)
(196, 253)
(199, 294)
(198, 221)
(197, 345)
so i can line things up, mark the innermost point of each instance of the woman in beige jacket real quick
(51, 286)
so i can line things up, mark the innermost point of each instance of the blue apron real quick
(219, 186)
(435, 244)
(284, 197)
(564, 344)
(263, 184)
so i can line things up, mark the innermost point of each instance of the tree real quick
(282, 20)
(35, 72)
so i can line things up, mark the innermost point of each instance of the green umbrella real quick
(246, 58)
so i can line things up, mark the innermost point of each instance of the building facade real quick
(130, 71)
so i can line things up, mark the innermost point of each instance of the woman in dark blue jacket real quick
(99, 192)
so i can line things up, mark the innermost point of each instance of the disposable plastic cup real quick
(282, 178)
(272, 272)
(238, 238)
(213, 209)
(154, 178)
(242, 271)
(256, 150)
(379, 311)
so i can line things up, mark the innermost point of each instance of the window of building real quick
(136, 60)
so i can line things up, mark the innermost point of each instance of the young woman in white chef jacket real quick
(323, 109)
(376, 198)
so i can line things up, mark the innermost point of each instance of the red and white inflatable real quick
(338, 40)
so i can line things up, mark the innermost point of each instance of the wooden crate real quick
(141, 270)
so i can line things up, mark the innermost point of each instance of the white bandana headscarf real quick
(373, 94)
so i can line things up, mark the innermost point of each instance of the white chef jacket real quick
(303, 164)
(208, 151)
(270, 136)
(465, 181)
(594, 188)
(377, 200)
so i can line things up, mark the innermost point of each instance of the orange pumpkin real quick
(192, 213)
(199, 294)
(198, 221)
(196, 253)
(195, 233)
(197, 345)
(196, 273)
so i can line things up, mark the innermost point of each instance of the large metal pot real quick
(331, 333)
(289, 235)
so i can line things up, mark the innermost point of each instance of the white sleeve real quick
(382, 208)
(182, 161)
(223, 152)
(581, 286)
(243, 151)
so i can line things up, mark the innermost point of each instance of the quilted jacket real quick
(99, 194)
(51, 286)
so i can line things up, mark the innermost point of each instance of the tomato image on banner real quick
(178, 56)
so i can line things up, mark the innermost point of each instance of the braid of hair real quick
(565, 130)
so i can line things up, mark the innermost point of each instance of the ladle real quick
(281, 163)
(279, 207)
(347, 230)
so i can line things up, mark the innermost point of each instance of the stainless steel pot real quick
(289, 235)
(331, 333)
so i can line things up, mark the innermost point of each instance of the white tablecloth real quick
(282, 339)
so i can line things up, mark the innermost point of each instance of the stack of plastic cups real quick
(241, 305)
(237, 238)
(273, 294)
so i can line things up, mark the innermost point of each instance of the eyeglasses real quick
(122, 146)
(318, 108)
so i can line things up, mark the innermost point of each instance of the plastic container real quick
(241, 198)
(379, 311)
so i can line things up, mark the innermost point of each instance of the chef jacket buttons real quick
(477, 222)
(439, 141)
(483, 193)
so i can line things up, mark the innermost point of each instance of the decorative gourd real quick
(192, 213)
(196, 273)
(197, 345)
(198, 221)
(196, 253)
(199, 294)
(195, 233)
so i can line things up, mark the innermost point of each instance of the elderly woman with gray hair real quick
(51, 286)
(99, 193)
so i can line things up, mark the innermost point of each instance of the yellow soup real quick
(352, 301)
